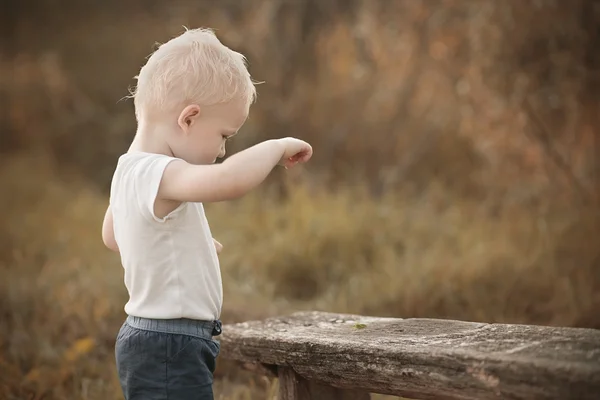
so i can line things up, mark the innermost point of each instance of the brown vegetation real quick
(454, 176)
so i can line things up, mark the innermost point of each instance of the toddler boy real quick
(192, 95)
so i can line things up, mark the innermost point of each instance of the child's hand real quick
(218, 246)
(295, 151)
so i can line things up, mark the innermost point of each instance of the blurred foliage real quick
(455, 171)
(439, 86)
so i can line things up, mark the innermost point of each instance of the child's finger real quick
(302, 157)
(290, 162)
(305, 157)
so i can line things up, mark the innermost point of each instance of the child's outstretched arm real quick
(233, 178)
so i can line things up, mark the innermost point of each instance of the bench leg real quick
(293, 387)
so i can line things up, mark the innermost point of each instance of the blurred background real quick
(456, 169)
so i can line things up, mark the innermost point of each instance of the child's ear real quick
(188, 117)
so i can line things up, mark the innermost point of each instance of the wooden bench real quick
(327, 356)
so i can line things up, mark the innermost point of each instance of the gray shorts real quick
(167, 359)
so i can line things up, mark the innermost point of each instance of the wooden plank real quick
(294, 387)
(424, 358)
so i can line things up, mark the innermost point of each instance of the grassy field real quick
(303, 247)
(434, 192)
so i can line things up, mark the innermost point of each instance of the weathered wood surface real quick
(294, 387)
(424, 358)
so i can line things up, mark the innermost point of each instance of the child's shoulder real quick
(140, 167)
(136, 181)
(136, 156)
(141, 162)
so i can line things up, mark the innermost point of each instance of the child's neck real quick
(151, 139)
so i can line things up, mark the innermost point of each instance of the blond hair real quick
(194, 67)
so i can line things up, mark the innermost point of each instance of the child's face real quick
(206, 130)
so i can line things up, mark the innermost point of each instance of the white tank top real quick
(171, 264)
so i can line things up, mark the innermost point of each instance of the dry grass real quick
(420, 103)
(61, 295)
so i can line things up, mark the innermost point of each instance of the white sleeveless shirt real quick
(171, 265)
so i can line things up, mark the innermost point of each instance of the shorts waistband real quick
(182, 326)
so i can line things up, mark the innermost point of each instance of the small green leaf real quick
(360, 326)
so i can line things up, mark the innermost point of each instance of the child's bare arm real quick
(108, 232)
(233, 178)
